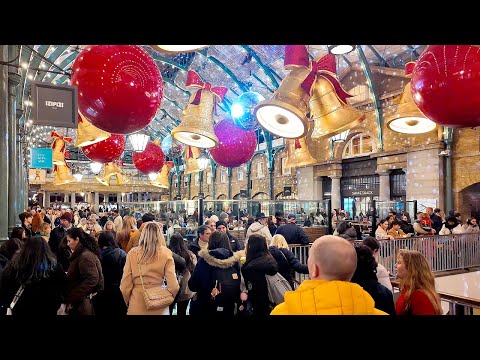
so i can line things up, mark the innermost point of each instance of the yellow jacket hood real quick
(321, 297)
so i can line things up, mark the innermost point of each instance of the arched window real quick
(358, 145)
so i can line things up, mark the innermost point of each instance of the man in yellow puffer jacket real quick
(332, 261)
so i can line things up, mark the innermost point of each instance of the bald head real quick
(332, 258)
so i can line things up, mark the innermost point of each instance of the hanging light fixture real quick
(203, 161)
(340, 49)
(152, 176)
(408, 118)
(139, 141)
(340, 137)
(178, 48)
(95, 167)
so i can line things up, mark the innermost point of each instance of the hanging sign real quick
(41, 158)
(37, 176)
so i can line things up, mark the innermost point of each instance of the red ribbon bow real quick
(169, 164)
(58, 136)
(195, 82)
(297, 144)
(297, 55)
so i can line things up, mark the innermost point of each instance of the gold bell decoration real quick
(285, 113)
(191, 163)
(329, 108)
(63, 175)
(196, 128)
(109, 170)
(87, 134)
(58, 148)
(298, 153)
(162, 178)
(408, 118)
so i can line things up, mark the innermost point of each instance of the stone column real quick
(65, 198)
(46, 199)
(119, 201)
(4, 144)
(336, 194)
(13, 183)
(72, 200)
(384, 192)
(19, 164)
(97, 201)
(308, 186)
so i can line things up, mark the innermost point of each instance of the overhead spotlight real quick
(138, 141)
(340, 49)
(95, 167)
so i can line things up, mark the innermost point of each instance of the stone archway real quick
(338, 147)
(468, 201)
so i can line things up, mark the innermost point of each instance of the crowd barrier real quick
(443, 253)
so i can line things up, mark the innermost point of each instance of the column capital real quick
(383, 173)
(334, 177)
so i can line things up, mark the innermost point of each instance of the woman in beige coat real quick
(156, 262)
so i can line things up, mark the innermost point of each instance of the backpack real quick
(227, 282)
(277, 286)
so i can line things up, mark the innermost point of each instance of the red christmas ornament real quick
(119, 87)
(106, 150)
(446, 84)
(150, 160)
(235, 145)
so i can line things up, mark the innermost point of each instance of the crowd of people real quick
(104, 265)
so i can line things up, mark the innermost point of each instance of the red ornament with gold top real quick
(106, 150)
(119, 87)
(235, 146)
(151, 159)
(446, 84)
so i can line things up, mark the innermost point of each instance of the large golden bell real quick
(196, 128)
(87, 134)
(298, 153)
(191, 166)
(285, 113)
(63, 175)
(162, 178)
(109, 170)
(331, 115)
(408, 118)
(58, 153)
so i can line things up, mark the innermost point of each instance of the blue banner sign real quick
(42, 158)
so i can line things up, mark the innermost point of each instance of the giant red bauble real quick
(446, 84)
(106, 150)
(235, 145)
(119, 87)
(150, 160)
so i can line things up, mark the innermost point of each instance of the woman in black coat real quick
(365, 276)
(216, 278)
(258, 264)
(288, 264)
(36, 268)
(110, 301)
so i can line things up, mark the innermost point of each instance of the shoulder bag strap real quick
(17, 296)
(140, 271)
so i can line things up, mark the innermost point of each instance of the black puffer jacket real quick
(203, 280)
(288, 264)
(293, 234)
(254, 272)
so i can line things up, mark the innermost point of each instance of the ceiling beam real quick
(382, 60)
(265, 68)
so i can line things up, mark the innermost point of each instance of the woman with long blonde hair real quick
(417, 283)
(153, 261)
(288, 264)
(129, 226)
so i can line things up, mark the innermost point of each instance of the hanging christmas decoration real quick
(110, 169)
(235, 146)
(151, 159)
(196, 128)
(285, 113)
(408, 119)
(191, 163)
(171, 147)
(446, 84)
(106, 150)
(87, 134)
(329, 108)
(242, 110)
(58, 147)
(62, 174)
(298, 153)
(162, 178)
(119, 87)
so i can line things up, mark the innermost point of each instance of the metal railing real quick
(443, 253)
